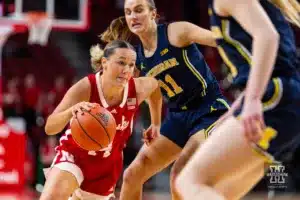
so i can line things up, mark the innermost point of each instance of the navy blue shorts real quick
(180, 126)
(281, 104)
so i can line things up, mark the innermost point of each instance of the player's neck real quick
(112, 94)
(149, 39)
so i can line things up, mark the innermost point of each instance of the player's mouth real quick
(136, 25)
(122, 79)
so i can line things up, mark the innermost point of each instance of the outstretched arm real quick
(182, 34)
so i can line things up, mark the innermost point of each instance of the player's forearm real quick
(207, 38)
(265, 48)
(155, 106)
(56, 122)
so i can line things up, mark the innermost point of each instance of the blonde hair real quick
(119, 30)
(97, 53)
(290, 9)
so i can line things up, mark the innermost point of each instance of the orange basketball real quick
(94, 130)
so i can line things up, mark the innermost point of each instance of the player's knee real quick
(136, 172)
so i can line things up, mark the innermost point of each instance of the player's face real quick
(119, 66)
(139, 16)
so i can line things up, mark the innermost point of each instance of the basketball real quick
(93, 130)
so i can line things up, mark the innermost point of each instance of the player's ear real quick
(104, 63)
(153, 14)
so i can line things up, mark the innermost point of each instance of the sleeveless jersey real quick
(122, 113)
(183, 75)
(235, 44)
(102, 169)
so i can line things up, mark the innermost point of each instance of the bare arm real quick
(182, 34)
(63, 112)
(252, 17)
(148, 88)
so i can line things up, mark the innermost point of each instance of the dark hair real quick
(151, 4)
(97, 53)
(118, 28)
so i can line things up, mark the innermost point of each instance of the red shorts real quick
(96, 172)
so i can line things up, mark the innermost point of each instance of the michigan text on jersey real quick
(167, 64)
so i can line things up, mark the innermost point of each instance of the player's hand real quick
(150, 134)
(252, 119)
(79, 107)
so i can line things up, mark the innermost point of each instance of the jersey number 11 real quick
(174, 89)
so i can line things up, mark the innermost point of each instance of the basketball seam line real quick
(102, 125)
(88, 134)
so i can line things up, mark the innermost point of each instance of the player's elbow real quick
(50, 128)
(268, 35)
(273, 35)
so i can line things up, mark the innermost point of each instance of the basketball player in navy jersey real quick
(257, 44)
(94, 174)
(194, 101)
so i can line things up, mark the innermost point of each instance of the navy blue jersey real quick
(183, 75)
(235, 44)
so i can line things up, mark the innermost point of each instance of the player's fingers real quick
(246, 128)
(86, 107)
(145, 141)
(262, 122)
(153, 134)
(95, 105)
(256, 128)
(74, 113)
(77, 110)
(90, 105)
(80, 111)
(144, 133)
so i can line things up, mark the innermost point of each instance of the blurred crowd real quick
(23, 97)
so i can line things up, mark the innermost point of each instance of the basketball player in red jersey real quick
(88, 174)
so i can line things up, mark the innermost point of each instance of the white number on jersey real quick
(66, 156)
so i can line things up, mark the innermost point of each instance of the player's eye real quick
(127, 12)
(122, 63)
(139, 10)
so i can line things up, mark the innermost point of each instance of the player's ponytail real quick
(117, 30)
(290, 8)
(96, 54)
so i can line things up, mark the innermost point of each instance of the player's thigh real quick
(223, 154)
(237, 186)
(155, 157)
(189, 149)
(60, 184)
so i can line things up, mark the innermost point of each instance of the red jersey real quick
(100, 171)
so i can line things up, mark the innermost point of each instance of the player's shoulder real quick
(85, 82)
(140, 81)
(82, 86)
(144, 86)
